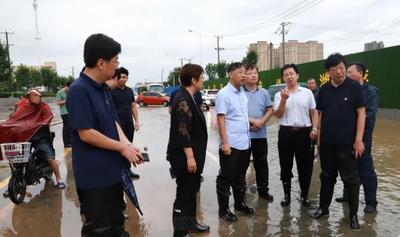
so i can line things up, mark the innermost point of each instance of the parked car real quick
(152, 98)
(273, 89)
(210, 95)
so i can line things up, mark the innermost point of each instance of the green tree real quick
(221, 69)
(211, 70)
(49, 77)
(173, 77)
(5, 73)
(23, 78)
(251, 58)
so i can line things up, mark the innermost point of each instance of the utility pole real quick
(162, 74)
(37, 32)
(199, 33)
(73, 72)
(281, 30)
(185, 59)
(271, 56)
(8, 56)
(218, 48)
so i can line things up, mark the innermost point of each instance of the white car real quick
(209, 95)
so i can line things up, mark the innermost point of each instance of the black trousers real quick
(367, 171)
(126, 123)
(103, 211)
(66, 133)
(232, 173)
(184, 210)
(339, 158)
(259, 149)
(296, 144)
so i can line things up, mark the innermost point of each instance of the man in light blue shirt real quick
(260, 111)
(234, 153)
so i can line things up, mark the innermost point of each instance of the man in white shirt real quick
(295, 107)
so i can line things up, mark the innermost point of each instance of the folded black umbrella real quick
(130, 189)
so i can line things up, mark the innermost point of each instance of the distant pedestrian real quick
(298, 126)
(187, 150)
(99, 144)
(312, 85)
(342, 118)
(61, 101)
(124, 101)
(356, 72)
(260, 111)
(234, 152)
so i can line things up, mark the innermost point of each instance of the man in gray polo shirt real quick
(234, 153)
(260, 111)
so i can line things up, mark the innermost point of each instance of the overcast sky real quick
(155, 33)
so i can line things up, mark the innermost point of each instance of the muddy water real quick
(51, 212)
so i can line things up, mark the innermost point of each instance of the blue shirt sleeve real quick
(81, 111)
(221, 104)
(268, 102)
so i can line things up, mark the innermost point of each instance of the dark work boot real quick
(287, 186)
(194, 226)
(223, 211)
(180, 223)
(325, 197)
(344, 198)
(240, 204)
(352, 194)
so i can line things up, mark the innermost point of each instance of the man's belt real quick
(294, 129)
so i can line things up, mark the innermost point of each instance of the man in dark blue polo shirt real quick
(356, 71)
(342, 119)
(99, 144)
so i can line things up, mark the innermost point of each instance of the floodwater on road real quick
(48, 211)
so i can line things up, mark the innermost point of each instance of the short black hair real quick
(333, 60)
(188, 72)
(116, 73)
(360, 67)
(286, 66)
(120, 71)
(99, 46)
(251, 67)
(67, 84)
(234, 66)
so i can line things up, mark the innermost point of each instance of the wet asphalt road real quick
(48, 211)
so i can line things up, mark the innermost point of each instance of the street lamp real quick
(199, 33)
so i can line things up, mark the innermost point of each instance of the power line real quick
(293, 11)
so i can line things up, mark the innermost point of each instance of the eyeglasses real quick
(335, 69)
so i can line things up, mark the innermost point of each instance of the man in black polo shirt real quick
(99, 144)
(124, 101)
(342, 120)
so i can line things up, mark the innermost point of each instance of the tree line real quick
(23, 77)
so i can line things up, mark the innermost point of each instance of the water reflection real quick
(41, 216)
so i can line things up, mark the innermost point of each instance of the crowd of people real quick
(100, 117)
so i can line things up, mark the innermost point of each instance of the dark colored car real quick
(273, 89)
(152, 98)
